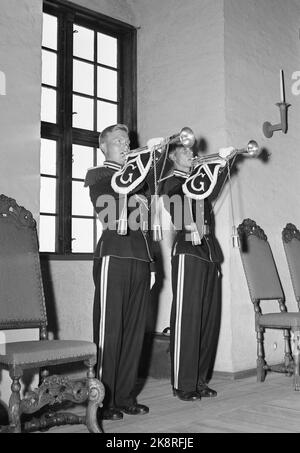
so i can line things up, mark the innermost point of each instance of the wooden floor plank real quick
(242, 406)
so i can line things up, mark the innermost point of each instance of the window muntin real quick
(48, 195)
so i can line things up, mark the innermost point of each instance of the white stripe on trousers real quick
(103, 295)
(179, 301)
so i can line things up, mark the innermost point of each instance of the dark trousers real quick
(195, 320)
(122, 288)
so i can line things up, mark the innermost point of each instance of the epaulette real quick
(95, 174)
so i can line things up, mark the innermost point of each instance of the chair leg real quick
(261, 363)
(288, 357)
(296, 353)
(95, 397)
(14, 405)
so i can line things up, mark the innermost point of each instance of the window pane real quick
(83, 77)
(47, 233)
(84, 116)
(49, 31)
(49, 68)
(107, 84)
(107, 115)
(82, 235)
(81, 203)
(107, 50)
(83, 42)
(83, 158)
(48, 112)
(48, 195)
(48, 157)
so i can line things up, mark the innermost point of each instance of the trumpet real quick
(186, 137)
(252, 149)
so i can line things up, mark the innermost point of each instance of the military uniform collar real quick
(112, 165)
(181, 174)
(178, 173)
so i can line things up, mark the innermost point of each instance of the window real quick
(88, 83)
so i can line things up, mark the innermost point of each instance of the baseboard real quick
(155, 360)
(156, 363)
(234, 375)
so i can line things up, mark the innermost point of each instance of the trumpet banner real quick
(201, 182)
(133, 173)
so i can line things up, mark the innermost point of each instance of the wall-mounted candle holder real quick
(269, 128)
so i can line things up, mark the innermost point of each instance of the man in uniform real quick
(122, 280)
(196, 279)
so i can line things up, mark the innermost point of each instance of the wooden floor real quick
(242, 406)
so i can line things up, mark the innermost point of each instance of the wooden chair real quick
(264, 284)
(291, 245)
(22, 306)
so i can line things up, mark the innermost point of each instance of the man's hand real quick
(154, 142)
(192, 227)
(226, 153)
(152, 279)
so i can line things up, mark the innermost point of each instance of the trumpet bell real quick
(253, 149)
(187, 137)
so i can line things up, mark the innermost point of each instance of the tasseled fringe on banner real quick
(157, 229)
(235, 238)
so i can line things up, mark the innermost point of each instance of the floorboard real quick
(242, 406)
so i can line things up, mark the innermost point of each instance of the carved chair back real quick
(291, 244)
(264, 283)
(22, 303)
(258, 262)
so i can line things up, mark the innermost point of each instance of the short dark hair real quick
(110, 129)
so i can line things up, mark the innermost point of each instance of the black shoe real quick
(186, 396)
(110, 413)
(134, 409)
(204, 391)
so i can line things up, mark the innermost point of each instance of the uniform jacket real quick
(136, 243)
(208, 249)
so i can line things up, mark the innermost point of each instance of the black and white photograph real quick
(150, 219)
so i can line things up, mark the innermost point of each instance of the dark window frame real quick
(63, 132)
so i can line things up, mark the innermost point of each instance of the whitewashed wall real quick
(181, 83)
(118, 9)
(261, 37)
(20, 61)
(215, 67)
